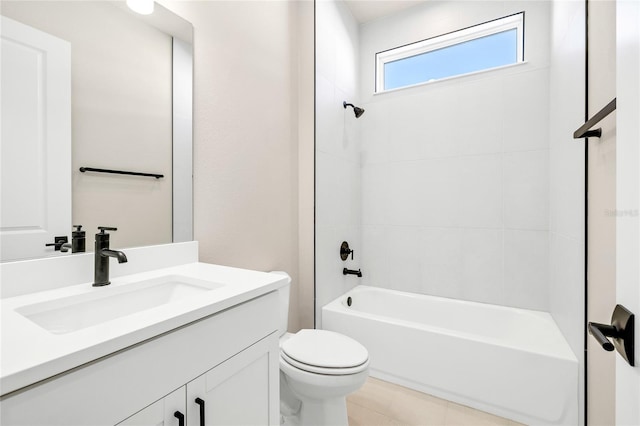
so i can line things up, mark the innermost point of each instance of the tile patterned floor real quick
(380, 403)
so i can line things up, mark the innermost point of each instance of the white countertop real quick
(30, 353)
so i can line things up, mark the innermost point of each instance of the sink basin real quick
(104, 304)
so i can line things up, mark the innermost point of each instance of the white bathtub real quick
(510, 362)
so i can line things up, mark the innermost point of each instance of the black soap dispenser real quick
(78, 240)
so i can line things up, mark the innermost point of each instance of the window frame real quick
(510, 22)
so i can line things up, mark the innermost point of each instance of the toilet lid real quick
(322, 348)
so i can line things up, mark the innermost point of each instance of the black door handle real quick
(200, 402)
(600, 331)
(178, 415)
(621, 330)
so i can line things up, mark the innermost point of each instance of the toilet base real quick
(317, 413)
(328, 412)
(297, 409)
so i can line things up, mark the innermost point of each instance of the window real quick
(481, 47)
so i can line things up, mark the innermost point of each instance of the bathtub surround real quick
(455, 173)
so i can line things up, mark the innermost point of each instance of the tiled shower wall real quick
(567, 172)
(337, 151)
(455, 174)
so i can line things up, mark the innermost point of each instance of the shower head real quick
(356, 110)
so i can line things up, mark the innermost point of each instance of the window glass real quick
(475, 55)
(489, 45)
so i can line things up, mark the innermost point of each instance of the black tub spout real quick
(346, 271)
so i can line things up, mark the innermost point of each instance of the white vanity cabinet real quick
(236, 392)
(228, 359)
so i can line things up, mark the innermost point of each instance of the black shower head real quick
(357, 110)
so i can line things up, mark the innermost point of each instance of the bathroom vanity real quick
(190, 344)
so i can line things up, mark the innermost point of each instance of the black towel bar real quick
(584, 132)
(120, 172)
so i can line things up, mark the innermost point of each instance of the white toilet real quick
(318, 369)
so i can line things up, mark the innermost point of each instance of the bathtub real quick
(510, 362)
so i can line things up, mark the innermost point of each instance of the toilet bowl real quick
(318, 369)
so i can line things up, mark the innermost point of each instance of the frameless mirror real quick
(127, 82)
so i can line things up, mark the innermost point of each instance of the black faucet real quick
(102, 255)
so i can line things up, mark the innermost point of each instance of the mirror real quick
(131, 110)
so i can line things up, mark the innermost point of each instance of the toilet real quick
(318, 369)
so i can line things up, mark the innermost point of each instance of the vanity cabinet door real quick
(160, 413)
(243, 390)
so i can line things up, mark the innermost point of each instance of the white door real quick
(628, 198)
(35, 155)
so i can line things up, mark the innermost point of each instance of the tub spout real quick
(346, 271)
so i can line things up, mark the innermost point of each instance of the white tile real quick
(374, 256)
(325, 40)
(439, 191)
(526, 269)
(375, 141)
(404, 258)
(441, 252)
(479, 116)
(566, 288)
(405, 182)
(405, 117)
(426, 125)
(525, 115)
(472, 13)
(526, 190)
(328, 124)
(327, 187)
(327, 266)
(482, 252)
(375, 194)
(479, 179)
(344, 201)
(346, 38)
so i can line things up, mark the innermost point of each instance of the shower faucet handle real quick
(345, 251)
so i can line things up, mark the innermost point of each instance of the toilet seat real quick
(324, 352)
(326, 371)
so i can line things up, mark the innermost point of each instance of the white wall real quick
(245, 134)
(567, 173)
(628, 198)
(121, 115)
(455, 173)
(337, 151)
(601, 242)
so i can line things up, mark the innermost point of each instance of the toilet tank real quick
(283, 294)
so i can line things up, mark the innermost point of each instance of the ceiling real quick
(368, 10)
